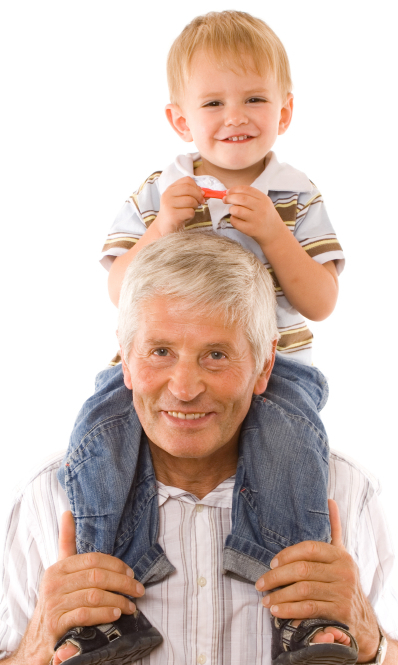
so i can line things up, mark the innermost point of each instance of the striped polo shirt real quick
(295, 197)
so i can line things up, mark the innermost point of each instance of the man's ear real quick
(175, 116)
(262, 381)
(286, 114)
(126, 372)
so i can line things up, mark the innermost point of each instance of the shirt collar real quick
(277, 177)
(219, 497)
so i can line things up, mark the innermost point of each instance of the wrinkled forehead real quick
(159, 309)
(179, 320)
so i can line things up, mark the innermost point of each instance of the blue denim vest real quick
(280, 492)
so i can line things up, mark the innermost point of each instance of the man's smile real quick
(186, 416)
(190, 420)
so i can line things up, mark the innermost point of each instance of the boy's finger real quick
(242, 189)
(184, 183)
(67, 536)
(335, 524)
(193, 192)
(243, 201)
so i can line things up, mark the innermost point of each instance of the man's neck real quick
(196, 476)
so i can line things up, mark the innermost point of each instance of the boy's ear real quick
(176, 118)
(262, 380)
(286, 114)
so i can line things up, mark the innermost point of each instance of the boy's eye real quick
(213, 104)
(253, 100)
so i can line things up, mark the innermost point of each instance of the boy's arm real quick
(177, 206)
(311, 287)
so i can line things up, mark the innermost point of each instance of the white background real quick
(83, 90)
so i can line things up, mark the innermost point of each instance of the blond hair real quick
(228, 36)
(209, 273)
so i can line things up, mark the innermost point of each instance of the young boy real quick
(230, 92)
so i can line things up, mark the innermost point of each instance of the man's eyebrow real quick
(219, 345)
(160, 342)
(157, 341)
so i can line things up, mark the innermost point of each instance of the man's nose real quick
(186, 382)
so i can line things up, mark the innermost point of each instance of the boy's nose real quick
(235, 116)
(185, 382)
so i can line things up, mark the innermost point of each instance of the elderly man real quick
(174, 491)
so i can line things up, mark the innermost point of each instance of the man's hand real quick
(322, 580)
(253, 213)
(76, 591)
(177, 205)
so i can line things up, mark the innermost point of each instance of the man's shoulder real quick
(356, 492)
(44, 474)
(31, 532)
(346, 470)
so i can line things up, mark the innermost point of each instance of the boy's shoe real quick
(122, 642)
(292, 645)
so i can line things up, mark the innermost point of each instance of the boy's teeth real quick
(237, 138)
(186, 416)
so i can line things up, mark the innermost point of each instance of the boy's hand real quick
(254, 214)
(178, 204)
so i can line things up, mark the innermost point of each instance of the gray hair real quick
(211, 273)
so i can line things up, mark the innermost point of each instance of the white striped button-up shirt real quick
(203, 615)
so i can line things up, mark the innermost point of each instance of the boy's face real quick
(234, 118)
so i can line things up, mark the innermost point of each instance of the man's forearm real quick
(31, 651)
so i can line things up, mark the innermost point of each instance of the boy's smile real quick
(234, 118)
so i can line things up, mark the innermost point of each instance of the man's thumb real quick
(335, 524)
(67, 536)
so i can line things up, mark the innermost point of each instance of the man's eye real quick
(161, 352)
(217, 355)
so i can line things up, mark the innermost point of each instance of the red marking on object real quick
(264, 400)
(213, 193)
(66, 464)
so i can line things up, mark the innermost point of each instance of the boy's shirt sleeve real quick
(132, 221)
(314, 231)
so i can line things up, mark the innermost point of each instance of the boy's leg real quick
(293, 385)
(130, 638)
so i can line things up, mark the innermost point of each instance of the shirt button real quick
(202, 658)
(199, 507)
(202, 581)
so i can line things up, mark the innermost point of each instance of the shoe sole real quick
(122, 651)
(319, 654)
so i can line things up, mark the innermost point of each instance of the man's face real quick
(234, 117)
(192, 379)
